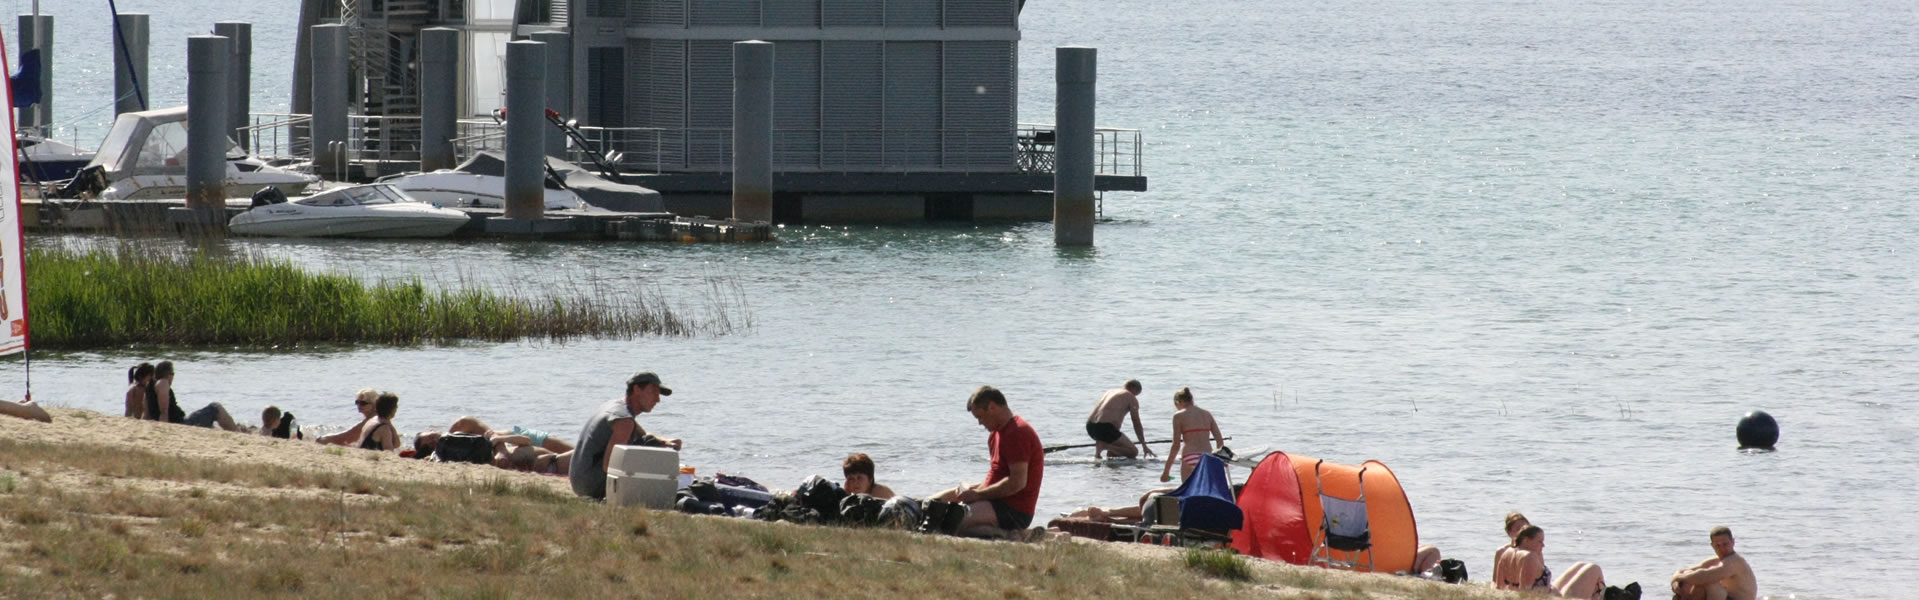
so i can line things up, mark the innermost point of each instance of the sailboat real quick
(13, 271)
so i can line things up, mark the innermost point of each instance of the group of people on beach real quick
(150, 395)
(1001, 506)
(1521, 566)
(1518, 566)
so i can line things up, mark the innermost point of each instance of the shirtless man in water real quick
(1725, 576)
(1103, 424)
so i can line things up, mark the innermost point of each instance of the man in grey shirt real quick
(613, 424)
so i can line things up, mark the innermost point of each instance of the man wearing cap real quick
(1004, 504)
(614, 425)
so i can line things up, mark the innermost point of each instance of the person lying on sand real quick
(1124, 515)
(858, 470)
(473, 425)
(25, 409)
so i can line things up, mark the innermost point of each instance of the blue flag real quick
(26, 83)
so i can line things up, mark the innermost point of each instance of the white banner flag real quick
(13, 280)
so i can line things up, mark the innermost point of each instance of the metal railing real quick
(1031, 149)
(1115, 151)
(279, 136)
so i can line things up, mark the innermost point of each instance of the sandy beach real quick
(203, 474)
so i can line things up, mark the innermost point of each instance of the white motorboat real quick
(480, 183)
(448, 187)
(372, 210)
(144, 158)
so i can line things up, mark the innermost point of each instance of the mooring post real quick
(753, 130)
(525, 125)
(208, 86)
(329, 100)
(1073, 173)
(130, 83)
(240, 72)
(559, 86)
(36, 32)
(439, 77)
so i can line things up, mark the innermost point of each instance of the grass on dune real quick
(93, 521)
(102, 297)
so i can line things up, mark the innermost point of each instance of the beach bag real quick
(942, 517)
(822, 496)
(900, 512)
(861, 510)
(1453, 570)
(286, 429)
(1630, 592)
(704, 489)
(464, 447)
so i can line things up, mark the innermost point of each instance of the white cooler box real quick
(643, 475)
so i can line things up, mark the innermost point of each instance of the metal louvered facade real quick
(859, 85)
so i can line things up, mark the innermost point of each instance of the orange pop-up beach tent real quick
(1281, 504)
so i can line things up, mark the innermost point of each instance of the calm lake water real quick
(1534, 257)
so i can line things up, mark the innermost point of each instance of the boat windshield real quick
(369, 194)
(393, 194)
(331, 198)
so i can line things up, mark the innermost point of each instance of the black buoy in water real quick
(1757, 430)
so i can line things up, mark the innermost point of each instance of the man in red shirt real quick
(1003, 505)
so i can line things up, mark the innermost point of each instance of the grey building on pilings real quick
(884, 109)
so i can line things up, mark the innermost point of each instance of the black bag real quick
(286, 429)
(822, 496)
(704, 489)
(1630, 592)
(464, 447)
(861, 510)
(1453, 570)
(942, 517)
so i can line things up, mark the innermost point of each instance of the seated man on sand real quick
(1001, 506)
(1725, 576)
(25, 409)
(858, 470)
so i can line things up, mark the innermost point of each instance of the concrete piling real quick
(208, 86)
(753, 131)
(559, 85)
(130, 83)
(36, 31)
(1073, 174)
(240, 73)
(525, 124)
(329, 100)
(439, 76)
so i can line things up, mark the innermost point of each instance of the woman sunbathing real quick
(1524, 569)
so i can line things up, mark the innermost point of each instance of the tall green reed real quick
(106, 296)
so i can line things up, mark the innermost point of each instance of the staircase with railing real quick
(382, 48)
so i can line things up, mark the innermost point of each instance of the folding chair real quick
(1343, 527)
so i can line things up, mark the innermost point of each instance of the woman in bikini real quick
(379, 434)
(1524, 569)
(138, 380)
(1192, 424)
